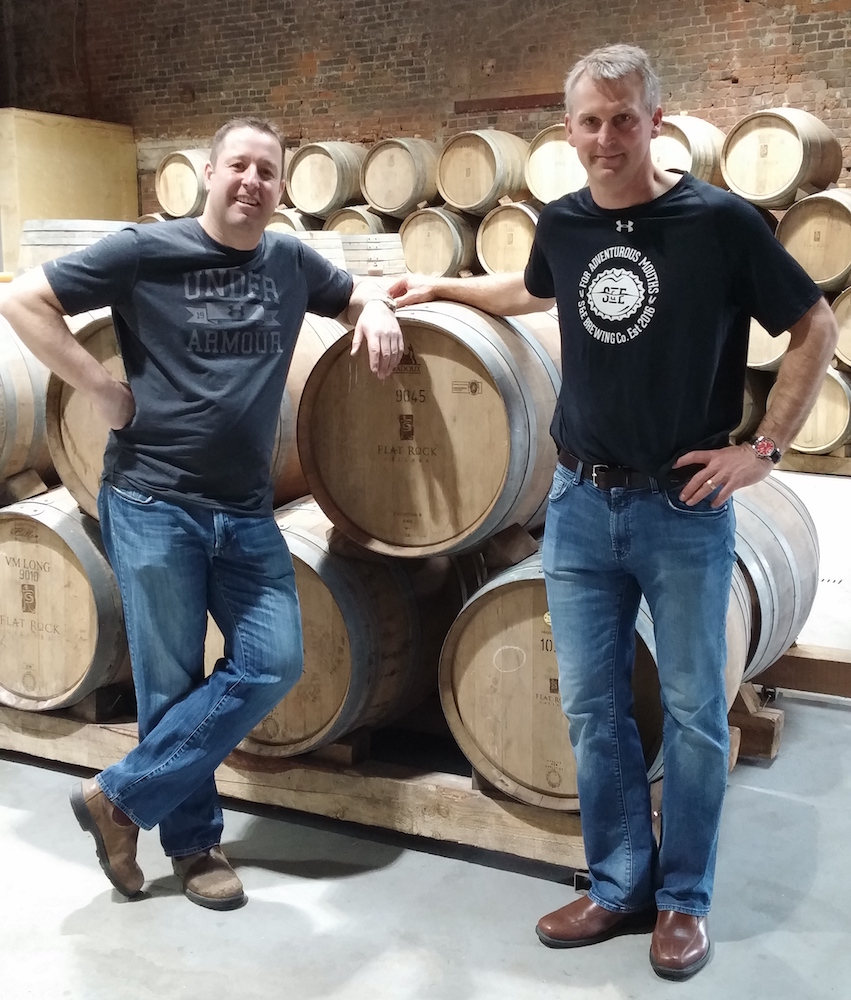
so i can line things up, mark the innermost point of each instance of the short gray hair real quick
(614, 62)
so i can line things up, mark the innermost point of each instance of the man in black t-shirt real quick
(656, 276)
(206, 312)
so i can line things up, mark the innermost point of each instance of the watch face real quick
(764, 447)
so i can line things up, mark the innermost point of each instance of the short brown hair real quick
(258, 124)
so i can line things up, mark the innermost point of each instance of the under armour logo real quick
(629, 225)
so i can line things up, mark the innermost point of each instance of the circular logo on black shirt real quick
(617, 295)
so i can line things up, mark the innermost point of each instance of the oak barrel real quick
(61, 626)
(179, 182)
(438, 241)
(325, 176)
(397, 175)
(817, 233)
(316, 335)
(372, 634)
(757, 387)
(841, 307)
(23, 428)
(475, 169)
(552, 168)
(288, 220)
(76, 432)
(764, 351)
(692, 145)
(770, 156)
(457, 436)
(504, 239)
(359, 220)
(777, 549)
(828, 424)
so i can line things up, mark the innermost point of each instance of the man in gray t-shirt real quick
(206, 312)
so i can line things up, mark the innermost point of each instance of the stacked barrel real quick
(394, 495)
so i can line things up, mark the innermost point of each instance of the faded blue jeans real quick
(601, 551)
(173, 563)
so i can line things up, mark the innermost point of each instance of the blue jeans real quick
(601, 551)
(173, 563)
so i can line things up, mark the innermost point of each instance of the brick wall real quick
(366, 69)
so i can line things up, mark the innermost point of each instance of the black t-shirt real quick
(654, 303)
(206, 333)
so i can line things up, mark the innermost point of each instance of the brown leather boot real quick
(680, 945)
(209, 880)
(584, 922)
(115, 836)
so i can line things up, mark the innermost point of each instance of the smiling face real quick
(243, 187)
(610, 127)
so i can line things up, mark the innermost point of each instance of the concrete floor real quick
(338, 912)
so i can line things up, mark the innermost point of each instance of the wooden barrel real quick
(61, 626)
(46, 239)
(504, 239)
(842, 310)
(777, 549)
(286, 201)
(397, 175)
(457, 436)
(23, 428)
(438, 241)
(289, 220)
(828, 424)
(552, 168)
(757, 387)
(179, 182)
(817, 233)
(692, 145)
(153, 217)
(316, 335)
(325, 176)
(76, 432)
(476, 169)
(770, 156)
(764, 351)
(372, 634)
(499, 686)
(359, 220)
(377, 254)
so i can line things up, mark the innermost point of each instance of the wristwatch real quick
(765, 448)
(387, 300)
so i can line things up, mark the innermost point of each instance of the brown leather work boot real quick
(584, 922)
(680, 945)
(115, 836)
(209, 880)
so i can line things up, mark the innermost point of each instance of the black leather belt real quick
(609, 477)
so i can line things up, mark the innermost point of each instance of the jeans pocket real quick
(703, 508)
(132, 495)
(562, 480)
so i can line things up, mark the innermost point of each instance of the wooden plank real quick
(427, 804)
(819, 669)
(826, 465)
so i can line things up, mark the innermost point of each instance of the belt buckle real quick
(598, 470)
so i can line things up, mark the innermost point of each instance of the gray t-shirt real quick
(206, 333)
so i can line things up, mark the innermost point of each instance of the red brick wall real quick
(365, 69)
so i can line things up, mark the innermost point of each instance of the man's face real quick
(244, 185)
(611, 129)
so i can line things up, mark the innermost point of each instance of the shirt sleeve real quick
(538, 276)
(102, 274)
(768, 282)
(329, 288)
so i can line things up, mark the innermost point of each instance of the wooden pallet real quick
(835, 464)
(817, 669)
(413, 800)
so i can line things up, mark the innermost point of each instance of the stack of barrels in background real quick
(421, 480)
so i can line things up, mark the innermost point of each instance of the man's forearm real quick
(801, 374)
